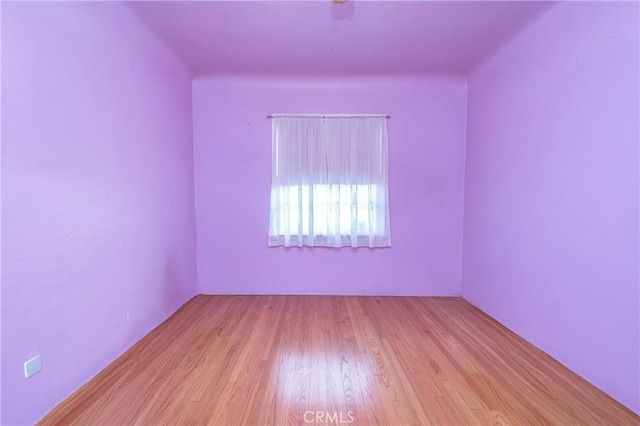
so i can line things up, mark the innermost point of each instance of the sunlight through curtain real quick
(329, 181)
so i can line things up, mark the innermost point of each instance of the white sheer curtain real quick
(329, 181)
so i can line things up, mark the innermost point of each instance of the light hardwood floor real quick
(281, 360)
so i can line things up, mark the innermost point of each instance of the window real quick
(329, 181)
(325, 204)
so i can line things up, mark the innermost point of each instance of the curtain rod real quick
(328, 115)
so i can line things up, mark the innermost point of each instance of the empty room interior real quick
(320, 212)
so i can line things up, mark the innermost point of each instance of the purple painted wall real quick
(97, 185)
(98, 227)
(551, 196)
(232, 143)
(0, 215)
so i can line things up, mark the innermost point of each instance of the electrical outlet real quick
(32, 366)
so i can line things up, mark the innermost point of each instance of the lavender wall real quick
(97, 185)
(551, 195)
(0, 214)
(232, 143)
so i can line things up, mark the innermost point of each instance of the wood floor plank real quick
(298, 360)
